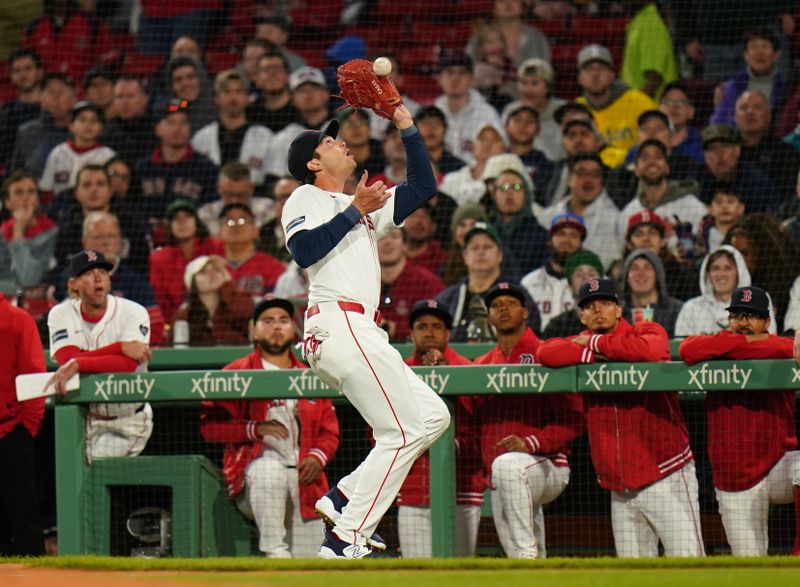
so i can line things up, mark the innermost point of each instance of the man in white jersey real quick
(335, 237)
(94, 332)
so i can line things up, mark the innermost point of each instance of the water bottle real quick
(180, 334)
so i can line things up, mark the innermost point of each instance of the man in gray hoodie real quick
(645, 296)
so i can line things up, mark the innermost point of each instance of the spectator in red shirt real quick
(752, 443)
(524, 439)
(430, 326)
(187, 239)
(402, 284)
(639, 442)
(422, 248)
(253, 271)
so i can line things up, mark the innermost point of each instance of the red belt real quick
(344, 306)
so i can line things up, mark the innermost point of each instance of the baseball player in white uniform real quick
(94, 332)
(335, 237)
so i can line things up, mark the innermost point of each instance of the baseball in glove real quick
(359, 87)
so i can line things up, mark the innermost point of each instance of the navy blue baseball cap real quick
(301, 151)
(506, 288)
(750, 299)
(595, 289)
(85, 261)
(432, 308)
(272, 302)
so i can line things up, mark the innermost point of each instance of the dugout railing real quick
(74, 499)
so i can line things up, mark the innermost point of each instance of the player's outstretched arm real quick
(402, 117)
(420, 185)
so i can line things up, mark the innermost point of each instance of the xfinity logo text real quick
(707, 375)
(141, 386)
(220, 383)
(305, 381)
(435, 381)
(529, 380)
(605, 377)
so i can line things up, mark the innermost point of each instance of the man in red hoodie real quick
(524, 438)
(20, 531)
(275, 450)
(752, 443)
(430, 325)
(639, 441)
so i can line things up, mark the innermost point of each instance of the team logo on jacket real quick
(747, 295)
(594, 285)
(143, 329)
(91, 255)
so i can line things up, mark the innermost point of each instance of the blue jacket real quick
(725, 112)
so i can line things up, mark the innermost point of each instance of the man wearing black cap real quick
(432, 125)
(430, 324)
(174, 170)
(463, 106)
(334, 236)
(752, 444)
(275, 450)
(94, 332)
(524, 439)
(639, 442)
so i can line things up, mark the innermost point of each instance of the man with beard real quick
(672, 200)
(275, 450)
(752, 444)
(547, 285)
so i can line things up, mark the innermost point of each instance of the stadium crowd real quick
(662, 154)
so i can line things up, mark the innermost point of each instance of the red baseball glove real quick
(361, 88)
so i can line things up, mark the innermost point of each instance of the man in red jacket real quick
(751, 435)
(524, 438)
(275, 450)
(639, 441)
(430, 325)
(20, 529)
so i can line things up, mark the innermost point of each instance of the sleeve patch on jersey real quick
(59, 335)
(143, 329)
(294, 223)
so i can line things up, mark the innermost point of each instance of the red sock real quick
(796, 548)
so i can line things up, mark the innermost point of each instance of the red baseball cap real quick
(646, 217)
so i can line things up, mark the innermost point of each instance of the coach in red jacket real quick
(524, 438)
(276, 450)
(430, 325)
(639, 442)
(751, 435)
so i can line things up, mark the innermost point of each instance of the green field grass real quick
(588, 572)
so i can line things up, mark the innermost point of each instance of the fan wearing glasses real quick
(752, 443)
(255, 272)
(520, 233)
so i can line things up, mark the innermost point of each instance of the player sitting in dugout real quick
(752, 443)
(639, 441)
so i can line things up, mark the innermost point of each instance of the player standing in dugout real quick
(334, 236)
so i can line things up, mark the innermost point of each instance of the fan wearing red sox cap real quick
(548, 285)
(752, 443)
(651, 472)
(524, 438)
(430, 325)
(275, 450)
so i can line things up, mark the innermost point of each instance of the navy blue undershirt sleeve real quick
(309, 246)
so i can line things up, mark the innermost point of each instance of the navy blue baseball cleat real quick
(330, 507)
(334, 547)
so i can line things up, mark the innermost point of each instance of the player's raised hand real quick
(136, 350)
(370, 198)
(402, 117)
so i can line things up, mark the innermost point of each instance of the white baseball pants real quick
(523, 483)
(666, 510)
(271, 498)
(745, 514)
(406, 416)
(124, 436)
(414, 530)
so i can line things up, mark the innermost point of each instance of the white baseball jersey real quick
(254, 152)
(351, 270)
(124, 321)
(552, 294)
(64, 162)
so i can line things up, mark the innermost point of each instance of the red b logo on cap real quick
(594, 285)
(747, 296)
